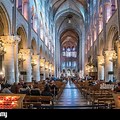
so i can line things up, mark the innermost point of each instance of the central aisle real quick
(71, 97)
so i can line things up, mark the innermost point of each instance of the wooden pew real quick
(39, 102)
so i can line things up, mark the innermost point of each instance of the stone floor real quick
(71, 98)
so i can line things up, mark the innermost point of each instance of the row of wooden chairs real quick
(101, 98)
(43, 101)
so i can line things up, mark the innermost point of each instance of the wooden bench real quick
(38, 101)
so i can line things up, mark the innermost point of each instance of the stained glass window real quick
(74, 53)
(64, 53)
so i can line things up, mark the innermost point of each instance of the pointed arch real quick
(113, 31)
(23, 35)
(4, 20)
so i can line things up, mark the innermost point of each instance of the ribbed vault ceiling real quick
(69, 38)
(64, 11)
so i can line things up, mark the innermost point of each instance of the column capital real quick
(46, 65)
(101, 60)
(35, 60)
(47, 62)
(42, 60)
(35, 57)
(50, 64)
(25, 51)
(52, 67)
(109, 52)
(9, 40)
(100, 57)
(111, 55)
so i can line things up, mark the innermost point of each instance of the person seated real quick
(2, 85)
(117, 88)
(25, 89)
(109, 82)
(64, 81)
(46, 91)
(6, 89)
(18, 87)
(54, 88)
(35, 91)
(14, 88)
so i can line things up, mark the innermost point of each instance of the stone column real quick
(16, 58)
(118, 42)
(108, 65)
(26, 64)
(42, 69)
(36, 70)
(100, 67)
(9, 58)
(118, 60)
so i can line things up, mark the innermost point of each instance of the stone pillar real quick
(42, 69)
(118, 42)
(36, 70)
(100, 67)
(118, 60)
(16, 59)
(26, 64)
(9, 58)
(108, 65)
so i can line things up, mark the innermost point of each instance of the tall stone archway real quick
(110, 62)
(24, 56)
(5, 65)
(4, 22)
